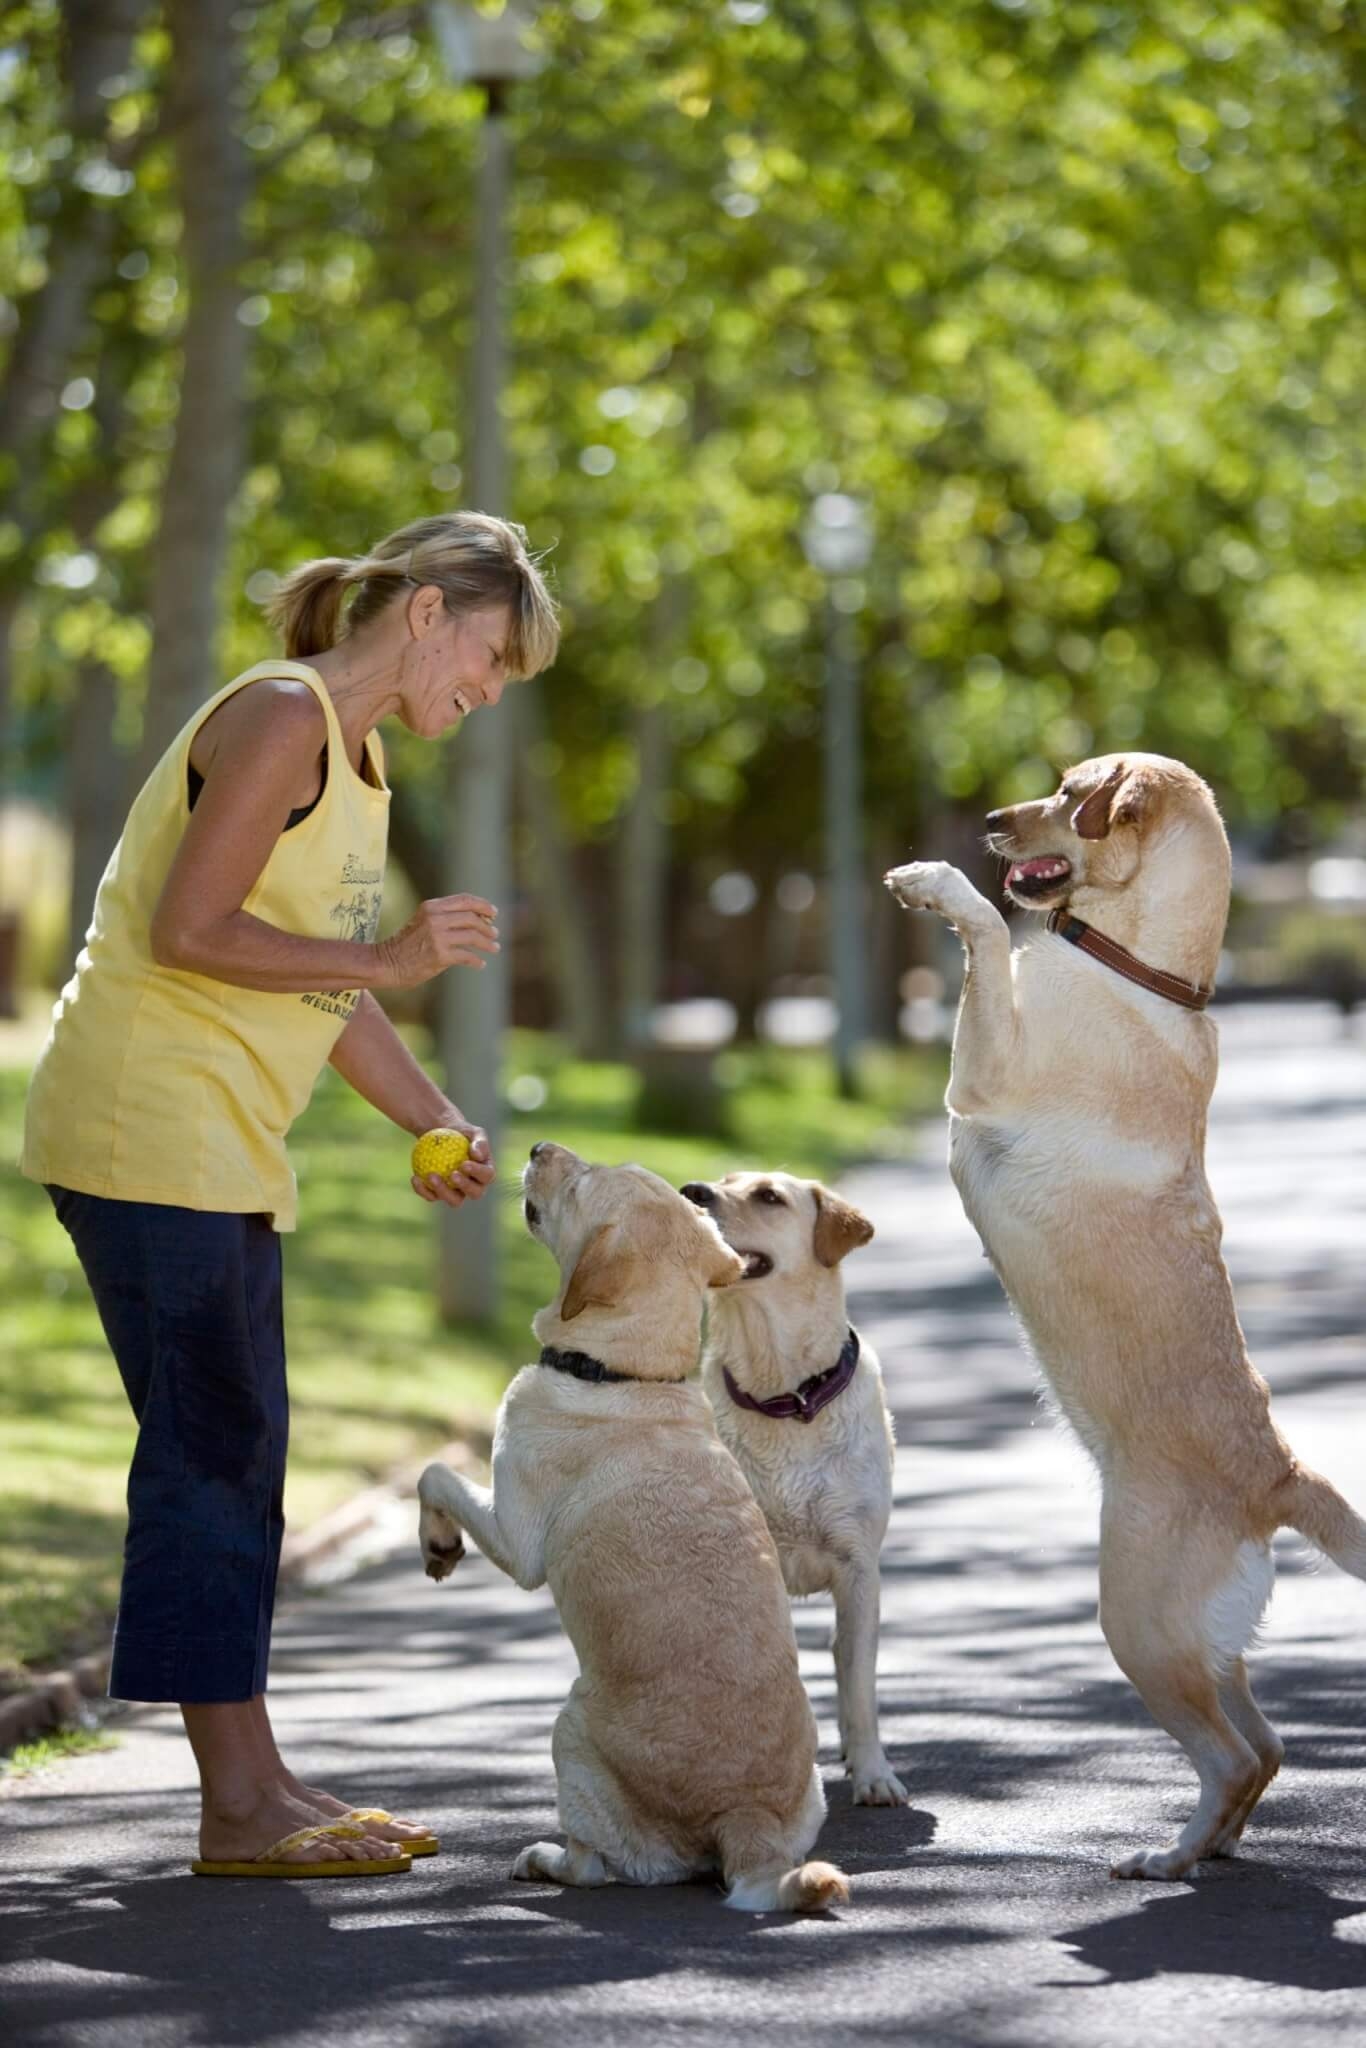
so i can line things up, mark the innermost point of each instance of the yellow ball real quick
(440, 1151)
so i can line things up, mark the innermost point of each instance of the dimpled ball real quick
(440, 1151)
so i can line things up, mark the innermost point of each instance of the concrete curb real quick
(316, 1557)
(57, 1701)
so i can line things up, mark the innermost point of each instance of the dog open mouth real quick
(756, 1264)
(1028, 879)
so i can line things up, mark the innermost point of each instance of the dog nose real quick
(995, 818)
(699, 1193)
(538, 1147)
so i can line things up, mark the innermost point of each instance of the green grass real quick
(374, 1379)
(54, 1749)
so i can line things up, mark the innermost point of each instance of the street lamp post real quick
(838, 540)
(487, 51)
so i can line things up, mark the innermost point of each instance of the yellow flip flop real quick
(411, 1845)
(268, 1863)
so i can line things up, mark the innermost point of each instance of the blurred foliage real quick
(1070, 293)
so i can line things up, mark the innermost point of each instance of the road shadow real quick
(1239, 1920)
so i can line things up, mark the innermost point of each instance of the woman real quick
(232, 953)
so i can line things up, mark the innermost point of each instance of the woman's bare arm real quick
(264, 753)
(372, 1057)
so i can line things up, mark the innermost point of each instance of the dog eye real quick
(771, 1196)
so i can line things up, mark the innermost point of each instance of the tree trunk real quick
(95, 791)
(97, 771)
(207, 458)
(643, 884)
(97, 42)
(566, 929)
(643, 880)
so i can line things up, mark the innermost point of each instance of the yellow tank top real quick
(161, 1086)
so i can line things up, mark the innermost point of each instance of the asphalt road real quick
(981, 1915)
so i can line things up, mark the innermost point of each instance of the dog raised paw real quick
(443, 1546)
(933, 885)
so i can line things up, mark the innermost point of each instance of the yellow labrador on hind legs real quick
(1083, 1066)
(687, 1743)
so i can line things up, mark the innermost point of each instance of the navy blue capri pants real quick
(191, 1304)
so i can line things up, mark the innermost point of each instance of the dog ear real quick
(1093, 817)
(1136, 797)
(598, 1279)
(840, 1228)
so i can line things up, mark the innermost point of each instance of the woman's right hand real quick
(449, 931)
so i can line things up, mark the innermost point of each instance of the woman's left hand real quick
(471, 1177)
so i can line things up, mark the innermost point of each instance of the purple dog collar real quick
(807, 1401)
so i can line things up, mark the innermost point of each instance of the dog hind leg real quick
(761, 1859)
(575, 1863)
(1169, 1617)
(1235, 1697)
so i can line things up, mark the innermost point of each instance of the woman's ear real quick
(426, 609)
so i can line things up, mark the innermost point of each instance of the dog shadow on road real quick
(1239, 1920)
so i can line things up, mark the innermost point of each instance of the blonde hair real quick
(473, 559)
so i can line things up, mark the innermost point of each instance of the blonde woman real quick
(232, 954)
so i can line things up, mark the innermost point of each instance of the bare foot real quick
(327, 1807)
(239, 1832)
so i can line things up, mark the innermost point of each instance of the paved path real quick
(983, 1915)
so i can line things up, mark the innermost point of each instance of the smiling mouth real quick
(1029, 880)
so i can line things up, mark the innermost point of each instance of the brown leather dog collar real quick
(1111, 954)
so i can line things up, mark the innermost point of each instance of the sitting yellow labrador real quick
(687, 1743)
(1083, 1065)
(798, 1397)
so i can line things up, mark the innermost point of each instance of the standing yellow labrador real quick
(687, 1743)
(1083, 1066)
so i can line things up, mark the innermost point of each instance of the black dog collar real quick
(583, 1367)
(807, 1400)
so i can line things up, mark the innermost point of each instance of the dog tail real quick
(1318, 1511)
(756, 1861)
(810, 1888)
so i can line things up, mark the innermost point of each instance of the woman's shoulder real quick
(281, 707)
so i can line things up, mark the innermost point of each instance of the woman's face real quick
(450, 666)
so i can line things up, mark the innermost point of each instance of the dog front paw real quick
(877, 1784)
(443, 1546)
(931, 885)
